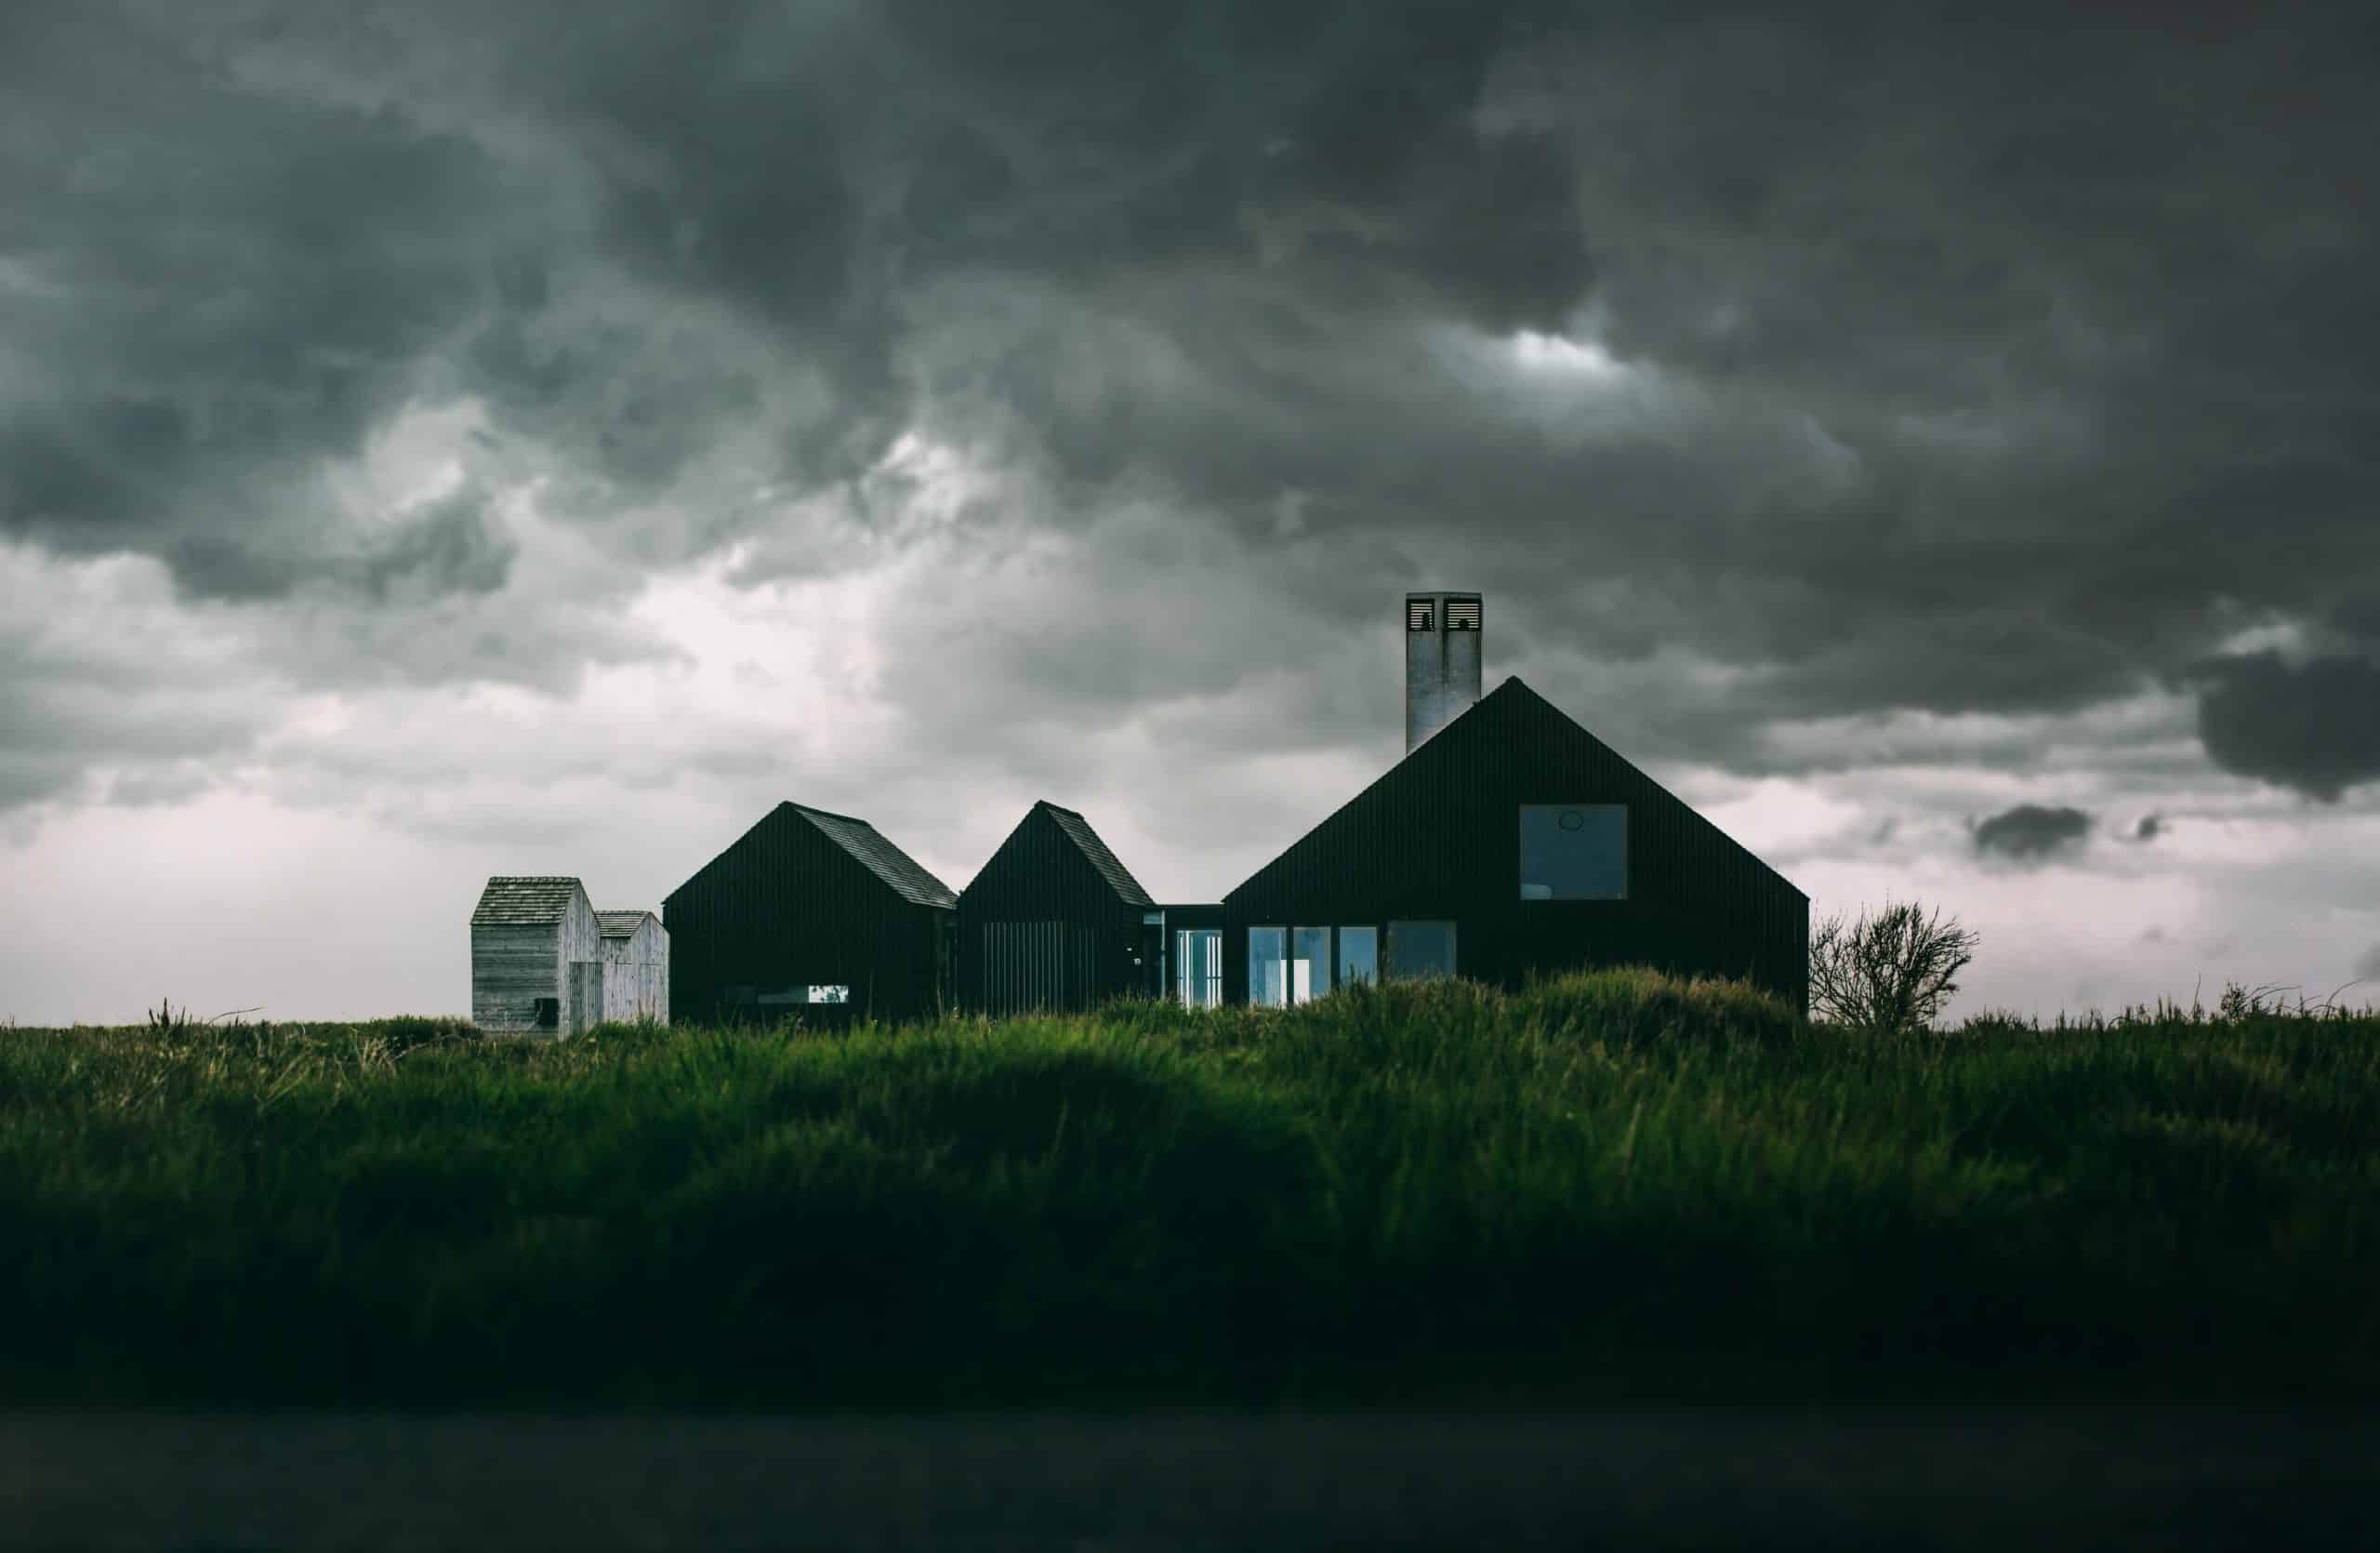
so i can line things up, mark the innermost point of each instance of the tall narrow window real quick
(1309, 963)
(1358, 954)
(1267, 966)
(1198, 967)
(1419, 950)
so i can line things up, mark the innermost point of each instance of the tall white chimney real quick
(1441, 661)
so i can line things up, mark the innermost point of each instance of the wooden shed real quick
(810, 914)
(636, 967)
(1511, 840)
(536, 958)
(1054, 921)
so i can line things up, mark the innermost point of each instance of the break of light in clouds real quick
(443, 440)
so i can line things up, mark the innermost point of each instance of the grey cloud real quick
(2367, 964)
(218, 290)
(1934, 393)
(2310, 727)
(61, 725)
(167, 785)
(449, 548)
(2148, 828)
(2030, 831)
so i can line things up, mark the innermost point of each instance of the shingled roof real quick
(883, 859)
(1078, 831)
(524, 900)
(621, 924)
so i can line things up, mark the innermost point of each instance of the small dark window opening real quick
(1417, 614)
(1462, 615)
(548, 1013)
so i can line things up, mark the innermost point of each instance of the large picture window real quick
(1268, 966)
(1358, 954)
(1309, 963)
(1419, 950)
(1574, 852)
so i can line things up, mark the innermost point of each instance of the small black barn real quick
(810, 913)
(1510, 838)
(1053, 921)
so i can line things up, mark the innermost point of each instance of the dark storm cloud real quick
(445, 548)
(1959, 360)
(1974, 369)
(209, 291)
(2314, 727)
(2030, 831)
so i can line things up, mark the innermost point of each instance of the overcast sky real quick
(440, 440)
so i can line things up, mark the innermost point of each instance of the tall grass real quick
(1607, 1187)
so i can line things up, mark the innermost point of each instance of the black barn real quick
(1052, 920)
(1511, 840)
(814, 914)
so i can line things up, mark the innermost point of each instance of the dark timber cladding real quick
(810, 914)
(1437, 840)
(1052, 920)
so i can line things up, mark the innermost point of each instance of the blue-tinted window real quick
(1418, 950)
(1309, 963)
(1358, 955)
(1267, 966)
(1574, 851)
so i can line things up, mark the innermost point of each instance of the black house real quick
(814, 914)
(1053, 922)
(1508, 840)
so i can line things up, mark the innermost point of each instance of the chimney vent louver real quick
(1442, 635)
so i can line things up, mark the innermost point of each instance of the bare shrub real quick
(1890, 972)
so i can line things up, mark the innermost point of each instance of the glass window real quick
(1309, 963)
(1358, 955)
(1198, 967)
(1574, 851)
(1267, 966)
(1416, 950)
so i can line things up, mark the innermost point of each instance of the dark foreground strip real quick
(238, 1482)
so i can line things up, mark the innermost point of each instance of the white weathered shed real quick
(536, 958)
(636, 967)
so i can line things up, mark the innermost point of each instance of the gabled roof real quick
(524, 900)
(1497, 714)
(1078, 831)
(883, 859)
(623, 924)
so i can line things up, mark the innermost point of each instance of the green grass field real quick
(1608, 1188)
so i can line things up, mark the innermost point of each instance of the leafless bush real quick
(1890, 972)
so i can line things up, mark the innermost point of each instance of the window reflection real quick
(1310, 965)
(1418, 950)
(1198, 967)
(1267, 966)
(1358, 955)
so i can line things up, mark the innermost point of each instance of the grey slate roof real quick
(621, 924)
(883, 859)
(1119, 877)
(531, 898)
